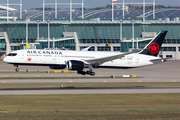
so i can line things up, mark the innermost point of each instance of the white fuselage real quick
(60, 57)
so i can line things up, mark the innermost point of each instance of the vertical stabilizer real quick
(27, 46)
(155, 45)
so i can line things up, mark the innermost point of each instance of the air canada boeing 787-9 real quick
(78, 60)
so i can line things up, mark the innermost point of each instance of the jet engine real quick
(75, 65)
(58, 67)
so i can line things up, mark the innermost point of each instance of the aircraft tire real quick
(79, 72)
(17, 69)
(88, 72)
(92, 73)
(83, 73)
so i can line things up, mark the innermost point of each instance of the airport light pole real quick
(120, 32)
(123, 9)
(53, 42)
(56, 9)
(137, 44)
(154, 9)
(7, 5)
(70, 10)
(38, 29)
(82, 9)
(7, 10)
(112, 11)
(27, 29)
(20, 9)
(43, 10)
(48, 21)
(56, 3)
(144, 10)
(132, 34)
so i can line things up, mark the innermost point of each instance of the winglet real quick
(86, 49)
(27, 46)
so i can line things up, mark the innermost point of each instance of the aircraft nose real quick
(5, 59)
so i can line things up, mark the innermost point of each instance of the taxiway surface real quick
(169, 69)
(163, 72)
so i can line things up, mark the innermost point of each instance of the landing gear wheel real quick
(88, 72)
(79, 72)
(17, 69)
(83, 73)
(92, 73)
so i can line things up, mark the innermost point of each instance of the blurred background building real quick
(119, 26)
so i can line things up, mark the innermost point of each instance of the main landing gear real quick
(90, 72)
(17, 69)
(87, 72)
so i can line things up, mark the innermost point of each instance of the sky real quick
(27, 4)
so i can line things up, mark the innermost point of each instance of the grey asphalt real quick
(169, 69)
(91, 80)
(88, 91)
(163, 72)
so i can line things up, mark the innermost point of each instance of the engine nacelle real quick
(75, 65)
(58, 67)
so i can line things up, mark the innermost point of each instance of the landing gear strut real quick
(17, 69)
(87, 72)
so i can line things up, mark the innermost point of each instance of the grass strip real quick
(61, 115)
(110, 106)
(66, 84)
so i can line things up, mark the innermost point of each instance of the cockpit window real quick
(12, 54)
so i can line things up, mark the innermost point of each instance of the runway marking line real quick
(37, 75)
(70, 81)
(100, 75)
(139, 81)
(105, 81)
(173, 80)
(6, 76)
(69, 75)
(3, 81)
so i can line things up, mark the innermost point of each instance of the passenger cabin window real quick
(12, 54)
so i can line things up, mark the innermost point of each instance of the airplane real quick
(78, 60)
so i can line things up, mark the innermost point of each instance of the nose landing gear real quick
(17, 69)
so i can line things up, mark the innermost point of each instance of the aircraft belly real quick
(118, 63)
(126, 63)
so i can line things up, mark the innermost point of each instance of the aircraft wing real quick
(97, 61)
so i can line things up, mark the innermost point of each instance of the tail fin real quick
(27, 46)
(153, 47)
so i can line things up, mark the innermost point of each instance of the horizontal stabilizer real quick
(163, 60)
